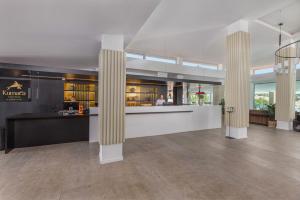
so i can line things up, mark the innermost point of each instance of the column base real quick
(236, 133)
(284, 125)
(111, 153)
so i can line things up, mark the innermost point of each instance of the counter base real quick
(27, 132)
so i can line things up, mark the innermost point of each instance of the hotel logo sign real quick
(15, 90)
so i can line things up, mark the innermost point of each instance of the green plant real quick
(271, 111)
(222, 103)
(193, 98)
(261, 103)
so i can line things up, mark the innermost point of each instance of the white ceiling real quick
(66, 33)
(290, 15)
(196, 29)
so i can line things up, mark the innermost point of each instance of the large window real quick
(204, 66)
(193, 88)
(164, 60)
(297, 96)
(264, 94)
(134, 56)
(263, 71)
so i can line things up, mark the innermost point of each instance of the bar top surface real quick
(44, 116)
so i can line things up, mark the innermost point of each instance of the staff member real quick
(161, 101)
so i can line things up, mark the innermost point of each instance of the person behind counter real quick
(161, 101)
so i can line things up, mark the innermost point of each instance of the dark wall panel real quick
(50, 99)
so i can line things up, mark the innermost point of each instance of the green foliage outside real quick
(194, 98)
(205, 98)
(261, 103)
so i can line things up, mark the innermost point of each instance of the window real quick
(134, 56)
(297, 97)
(190, 64)
(213, 67)
(298, 66)
(205, 66)
(193, 88)
(264, 94)
(263, 71)
(164, 60)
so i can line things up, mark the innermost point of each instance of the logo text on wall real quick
(15, 90)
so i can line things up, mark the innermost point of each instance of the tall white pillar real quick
(285, 90)
(112, 78)
(237, 80)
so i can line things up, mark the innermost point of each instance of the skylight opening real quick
(213, 67)
(190, 64)
(264, 71)
(163, 60)
(200, 65)
(134, 56)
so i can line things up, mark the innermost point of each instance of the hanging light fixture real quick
(283, 66)
(280, 37)
(280, 68)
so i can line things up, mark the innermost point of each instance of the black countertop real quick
(44, 116)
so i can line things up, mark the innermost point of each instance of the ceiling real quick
(196, 29)
(290, 15)
(66, 33)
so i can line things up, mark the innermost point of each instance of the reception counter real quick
(160, 120)
(30, 129)
(34, 129)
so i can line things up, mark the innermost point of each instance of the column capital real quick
(112, 42)
(240, 25)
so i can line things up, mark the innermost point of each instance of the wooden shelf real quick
(85, 93)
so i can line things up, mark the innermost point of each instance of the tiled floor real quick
(195, 165)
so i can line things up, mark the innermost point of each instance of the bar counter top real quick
(44, 116)
(133, 110)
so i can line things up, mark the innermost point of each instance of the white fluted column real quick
(112, 78)
(237, 79)
(285, 91)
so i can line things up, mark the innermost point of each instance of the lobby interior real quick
(150, 99)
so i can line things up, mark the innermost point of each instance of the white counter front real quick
(172, 119)
(160, 120)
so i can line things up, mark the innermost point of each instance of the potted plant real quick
(271, 113)
(222, 103)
